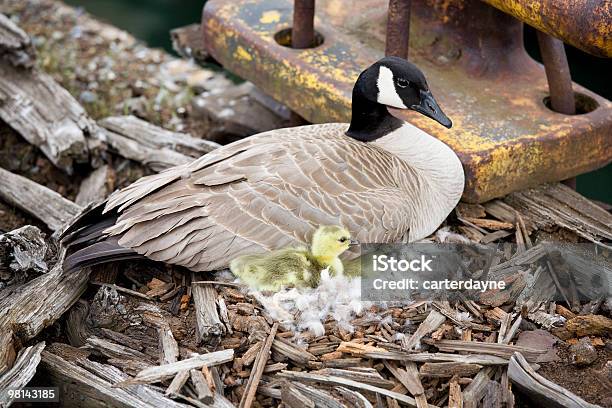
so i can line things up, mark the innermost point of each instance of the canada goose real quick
(295, 266)
(380, 177)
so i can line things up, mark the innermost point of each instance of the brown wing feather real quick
(265, 192)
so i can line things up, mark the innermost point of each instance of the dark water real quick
(151, 21)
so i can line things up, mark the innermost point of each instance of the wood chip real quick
(251, 388)
(158, 373)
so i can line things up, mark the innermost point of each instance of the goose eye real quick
(402, 83)
(343, 239)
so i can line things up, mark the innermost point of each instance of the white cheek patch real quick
(387, 95)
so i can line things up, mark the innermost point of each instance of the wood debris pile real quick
(148, 335)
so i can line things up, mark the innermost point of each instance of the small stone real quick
(583, 353)
(542, 340)
(88, 97)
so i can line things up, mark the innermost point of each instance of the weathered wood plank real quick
(158, 373)
(169, 349)
(201, 386)
(46, 115)
(93, 387)
(36, 200)
(432, 322)
(22, 371)
(207, 317)
(500, 350)
(301, 376)
(260, 363)
(27, 309)
(95, 187)
(558, 205)
(15, 45)
(539, 388)
(449, 369)
(155, 137)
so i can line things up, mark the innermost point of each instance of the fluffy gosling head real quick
(329, 241)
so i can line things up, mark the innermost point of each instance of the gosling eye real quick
(343, 239)
(402, 83)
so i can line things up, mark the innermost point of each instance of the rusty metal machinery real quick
(513, 122)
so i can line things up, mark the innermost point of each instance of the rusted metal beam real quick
(583, 24)
(302, 33)
(398, 28)
(505, 137)
(559, 80)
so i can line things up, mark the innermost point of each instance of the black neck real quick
(370, 120)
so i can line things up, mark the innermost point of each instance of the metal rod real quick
(559, 80)
(557, 74)
(302, 33)
(398, 28)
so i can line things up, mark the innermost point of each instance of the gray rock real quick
(583, 353)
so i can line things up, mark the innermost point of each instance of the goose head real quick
(390, 82)
(329, 241)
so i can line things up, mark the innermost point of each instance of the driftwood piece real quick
(46, 115)
(169, 349)
(321, 398)
(370, 376)
(201, 386)
(482, 359)
(95, 187)
(36, 200)
(293, 398)
(26, 310)
(474, 392)
(22, 371)
(455, 397)
(292, 352)
(92, 386)
(558, 205)
(178, 382)
(542, 391)
(442, 370)
(301, 376)
(354, 398)
(158, 373)
(207, 317)
(15, 45)
(500, 350)
(493, 395)
(150, 136)
(260, 362)
(432, 322)
(22, 253)
(113, 350)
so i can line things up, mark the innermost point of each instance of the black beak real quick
(429, 107)
(353, 242)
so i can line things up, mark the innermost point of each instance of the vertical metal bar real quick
(302, 33)
(557, 73)
(559, 80)
(398, 28)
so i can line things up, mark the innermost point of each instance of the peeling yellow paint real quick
(506, 138)
(243, 54)
(270, 16)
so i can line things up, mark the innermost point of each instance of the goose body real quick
(390, 183)
(298, 266)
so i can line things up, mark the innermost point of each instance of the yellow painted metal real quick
(585, 24)
(493, 91)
